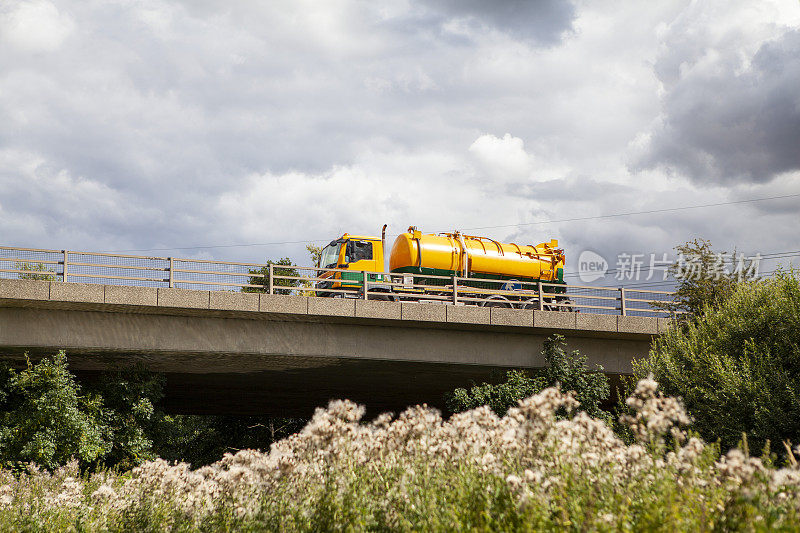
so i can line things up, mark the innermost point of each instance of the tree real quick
(500, 397)
(568, 370)
(202, 439)
(704, 277)
(130, 397)
(737, 366)
(45, 419)
(261, 277)
(315, 252)
(36, 271)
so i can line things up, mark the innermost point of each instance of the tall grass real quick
(543, 466)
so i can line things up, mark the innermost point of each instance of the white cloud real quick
(34, 25)
(503, 158)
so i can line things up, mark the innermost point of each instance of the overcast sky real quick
(160, 126)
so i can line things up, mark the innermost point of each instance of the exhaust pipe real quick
(383, 245)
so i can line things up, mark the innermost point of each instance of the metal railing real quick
(119, 269)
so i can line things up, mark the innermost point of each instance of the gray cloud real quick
(540, 21)
(726, 122)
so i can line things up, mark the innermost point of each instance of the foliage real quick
(737, 367)
(201, 439)
(45, 419)
(261, 277)
(315, 252)
(130, 397)
(704, 277)
(498, 397)
(36, 271)
(567, 370)
(528, 471)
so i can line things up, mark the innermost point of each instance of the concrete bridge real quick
(251, 353)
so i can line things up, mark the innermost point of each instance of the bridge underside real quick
(254, 363)
(293, 387)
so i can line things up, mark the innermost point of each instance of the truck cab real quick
(355, 254)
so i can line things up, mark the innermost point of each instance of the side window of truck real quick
(358, 251)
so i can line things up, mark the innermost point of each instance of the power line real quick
(596, 217)
(215, 246)
(651, 211)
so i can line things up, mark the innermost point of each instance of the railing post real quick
(622, 309)
(364, 280)
(271, 284)
(541, 297)
(66, 261)
(171, 276)
(455, 290)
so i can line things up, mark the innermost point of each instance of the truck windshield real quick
(330, 255)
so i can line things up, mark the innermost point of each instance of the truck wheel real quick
(533, 303)
(380, 297)
(496, 301)
(566, 305)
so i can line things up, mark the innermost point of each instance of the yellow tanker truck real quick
(433, 259)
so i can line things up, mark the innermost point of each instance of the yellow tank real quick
(449, 254)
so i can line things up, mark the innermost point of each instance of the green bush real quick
(129, 397)
(261, 277)
(202, 439)
(35, 271)
(704, 278)
(45, 419)
(48, 418)
(737, 364)
(569, 371)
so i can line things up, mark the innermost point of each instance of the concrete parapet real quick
(234, 301)
(585, 321)
(120, 294)
(637, 324)
(184, 298)
(378, 309)
(468, 314)
(77, 292)
(554, 319)
(331, 306)
(278, 303)
(423, 312)
(24, 289)
(260, 305)
(512, 317)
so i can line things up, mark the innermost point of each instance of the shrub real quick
(704, 278)
(129, 398)
(261, 277)
(569, 371)
(202, 439)
(35, 271)
(737, 367)
(528, 471)
(45, 419)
